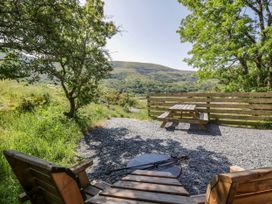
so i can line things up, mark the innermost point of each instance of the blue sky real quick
(148, 31)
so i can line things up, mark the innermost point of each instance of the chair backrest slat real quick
(249, 186)
(38, 179)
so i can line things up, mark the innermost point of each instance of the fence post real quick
(208, 106)
(148, 105)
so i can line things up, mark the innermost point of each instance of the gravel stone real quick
(210, 151)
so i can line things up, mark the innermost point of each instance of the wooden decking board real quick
(100, 184)
(148, 187)
(153, 174)
(110, 200)
(155, 180)
(147, 196)
(91, 190)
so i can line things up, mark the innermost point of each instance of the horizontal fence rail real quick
(222, 108)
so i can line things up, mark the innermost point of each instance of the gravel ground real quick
(210, 152)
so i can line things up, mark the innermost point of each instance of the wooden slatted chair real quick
(239, 187)
(45, 182)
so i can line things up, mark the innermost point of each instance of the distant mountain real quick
(151, 71)
(142, 78)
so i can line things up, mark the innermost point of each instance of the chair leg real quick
(163, 124)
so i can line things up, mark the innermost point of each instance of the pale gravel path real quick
(209, 152)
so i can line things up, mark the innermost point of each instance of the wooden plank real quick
(82, 166)
(155, 180)
(68, 188)
(187, 120)
(153, 174)
(240, 122)
(164, 115)
(110, 200)
(235, 168)
(214, 100)
(248, 175)
(199, 199)
(177, 190)
(222, 105)
(213, 94)
(241, 117)
(147, 196)
(255, 186)
(264, 197)
(92, 190)
(180, 107)
(100, 184)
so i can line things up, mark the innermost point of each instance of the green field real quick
(32, 121)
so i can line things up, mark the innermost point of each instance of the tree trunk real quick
(72, 111)
(269, 80)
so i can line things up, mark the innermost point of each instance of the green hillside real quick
(141, 78)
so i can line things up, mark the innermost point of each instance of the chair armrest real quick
(82, 166)
(199, 199)
(235, 168)
(23, 197)
(80, 171)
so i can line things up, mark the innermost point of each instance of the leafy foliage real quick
(231, 41)
(60, 39)
(44, 132)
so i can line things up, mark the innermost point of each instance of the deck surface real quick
(143, 187)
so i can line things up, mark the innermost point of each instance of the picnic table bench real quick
(192, 115)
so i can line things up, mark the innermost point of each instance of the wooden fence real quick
(223, 108)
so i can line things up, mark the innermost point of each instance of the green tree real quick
(232, 41)
(61, 40)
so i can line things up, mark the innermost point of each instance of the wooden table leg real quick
(163, 123)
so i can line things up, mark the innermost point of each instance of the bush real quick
(117, 98)
(33, 101)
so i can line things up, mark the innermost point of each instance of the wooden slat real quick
(264, 197)
(248, 175)
(240, 123)
(101, 185)
(147, 196)
(92, 190)
(177, 190)
(155, 180)
(213, 100)
(68, 188)
(186, 120)
(250, 108)
(110, 200)
(164, 115)
(241, 117)
(153, 174)
(195, 94)
(255, 186)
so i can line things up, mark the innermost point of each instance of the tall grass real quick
(42, 131)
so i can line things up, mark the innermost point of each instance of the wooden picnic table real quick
(189, 110)
(145, 187)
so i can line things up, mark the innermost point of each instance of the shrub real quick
(117, 98)
(31, 102)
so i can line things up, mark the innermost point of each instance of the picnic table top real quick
(145, 187)
(183, 107)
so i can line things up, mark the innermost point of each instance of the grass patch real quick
(42, 130)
